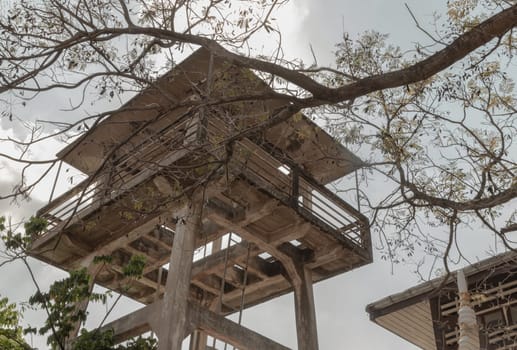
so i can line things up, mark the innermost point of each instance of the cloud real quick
(321, 24)
(16, 209)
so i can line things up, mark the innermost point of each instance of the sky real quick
(340, 301)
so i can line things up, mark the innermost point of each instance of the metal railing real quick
(300, 191)
(297, 189)
(118, 175)
(285, 182)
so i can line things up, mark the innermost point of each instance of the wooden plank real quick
(404, 331)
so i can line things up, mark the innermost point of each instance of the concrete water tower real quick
(228, 209)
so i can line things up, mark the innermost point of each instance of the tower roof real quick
(298, 138)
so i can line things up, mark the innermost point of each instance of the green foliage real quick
(140, 343)
(95, 340)
(103, 259)
(17, 242)
(105, 341)
(135, 266)
(60, 302)
(35, 226)
(10, 331)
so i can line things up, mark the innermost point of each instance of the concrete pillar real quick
(305, 312)
(198, 338)
(174, 313)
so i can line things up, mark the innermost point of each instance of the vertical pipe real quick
(469, 330)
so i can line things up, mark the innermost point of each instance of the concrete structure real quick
(427, 315)
(228, 207)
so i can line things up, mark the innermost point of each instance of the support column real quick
(305, 312)
(198, 338)
(174, 314)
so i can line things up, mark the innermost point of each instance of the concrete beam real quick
(136, 323)
(197, 317)
(110, 247)
(294, 231)
(198, 338)
(229, 331)
(215, 260)
(285, 259)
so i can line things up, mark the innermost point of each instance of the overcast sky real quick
(340, 301)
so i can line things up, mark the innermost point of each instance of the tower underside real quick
(266, 222)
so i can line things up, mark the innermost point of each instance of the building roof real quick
(409, 315)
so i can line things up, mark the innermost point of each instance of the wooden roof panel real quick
(412, 323)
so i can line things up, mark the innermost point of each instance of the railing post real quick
(295, 186)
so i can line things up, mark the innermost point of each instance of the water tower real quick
(225, 198)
